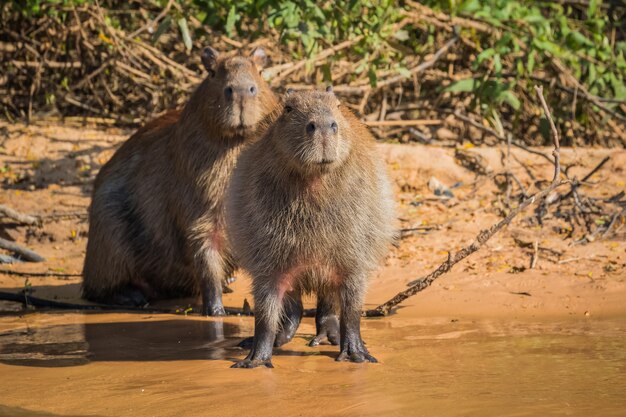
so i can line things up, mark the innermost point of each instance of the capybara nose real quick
(334, 127)
(310, 128)
(228, 92)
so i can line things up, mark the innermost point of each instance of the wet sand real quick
(491, 338)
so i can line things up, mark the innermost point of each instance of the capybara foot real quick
(356, 354)
(253, 363)
(327, 329)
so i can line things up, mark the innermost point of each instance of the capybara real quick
(156, 218)
(309, 209)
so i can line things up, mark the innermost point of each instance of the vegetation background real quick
(124, 62)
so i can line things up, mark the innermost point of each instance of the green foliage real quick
(524, 40)
(532, 34)
(310, 26)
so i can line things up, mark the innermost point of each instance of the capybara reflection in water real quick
(309, 209)
(156, 218)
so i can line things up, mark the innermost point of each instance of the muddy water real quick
(140, 365)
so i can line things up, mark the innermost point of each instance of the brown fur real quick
(156, 218)
(309, 209)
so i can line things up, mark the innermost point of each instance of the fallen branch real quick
(576, 184)
(24, 254)
(38, 274)
(29, 300)
(16, 215)
(425, 282)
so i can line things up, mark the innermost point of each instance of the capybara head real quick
(237, 95)
(312, 132)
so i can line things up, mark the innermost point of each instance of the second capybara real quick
(156, 217)
(309, 209)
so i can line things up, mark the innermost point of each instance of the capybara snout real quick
(239, 99)
(314, 139)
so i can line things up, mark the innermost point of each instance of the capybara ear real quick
(259, 57)
(329, 89)
(209, 59)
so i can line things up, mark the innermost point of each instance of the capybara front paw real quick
(356, 355)
(253, 363)
(329, 330)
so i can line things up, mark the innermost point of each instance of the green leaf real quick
(401, 35)
(231, 20)
(486, 54)
(576, 40)
(509, 98)
(184, 30)
(593, 7)
(161, 29)
(530, 65)
(462, 86)
(497, 64)
(371, 74)
(404, 72)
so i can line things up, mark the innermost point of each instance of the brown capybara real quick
(309, 209)
(156, 218)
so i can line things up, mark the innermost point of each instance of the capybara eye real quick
(288, 109)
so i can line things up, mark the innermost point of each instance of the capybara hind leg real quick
(326, 320)
(291, 318)
(352, 347)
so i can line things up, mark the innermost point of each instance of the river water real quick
(165, 365)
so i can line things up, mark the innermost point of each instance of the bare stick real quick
(322, 55)
(583, 91)
(535, 255)
(25, 254)
(576, 184)
(492, 132)
(555, 133)
(38, 274)
(419, 122)
(421, 67)
(16, 215)
(425, 282)
(150, 25)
